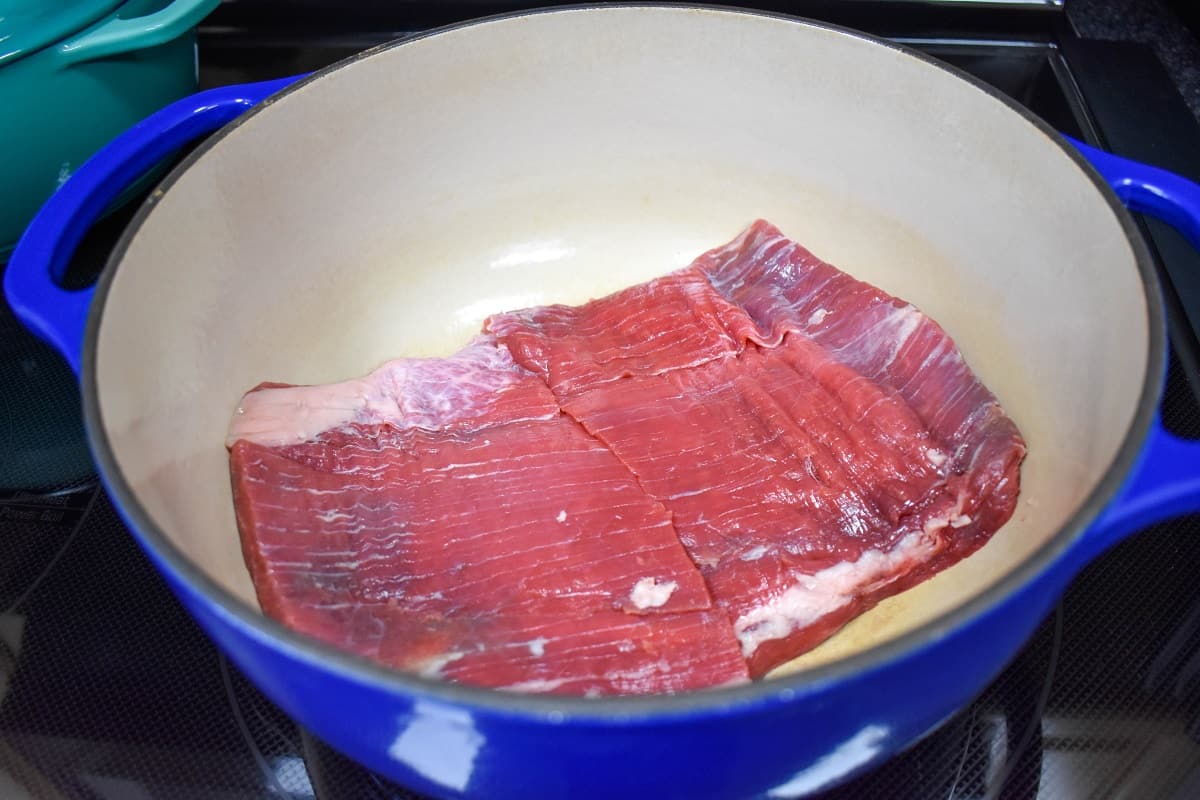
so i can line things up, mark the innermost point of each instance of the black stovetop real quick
(109, 690)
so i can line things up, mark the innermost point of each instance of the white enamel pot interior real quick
(385, 207)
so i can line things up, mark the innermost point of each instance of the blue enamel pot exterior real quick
(780, 738)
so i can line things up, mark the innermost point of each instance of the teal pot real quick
(73, 75)
(77, 73)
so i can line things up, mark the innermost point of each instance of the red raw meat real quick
(519, 554)
(477, 386)
(759, 430)
(834, 450)
(786, 289)
(634, 332)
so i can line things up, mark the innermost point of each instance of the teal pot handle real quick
(119, 35)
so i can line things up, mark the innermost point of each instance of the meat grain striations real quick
(678, 486)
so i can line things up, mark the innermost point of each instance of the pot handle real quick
(40, 259)
(120, 35)
(1166, 480)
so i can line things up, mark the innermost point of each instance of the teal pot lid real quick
(27, 26)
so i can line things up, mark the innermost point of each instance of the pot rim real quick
(624, 709)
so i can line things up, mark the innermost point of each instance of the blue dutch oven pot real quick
(784, 737)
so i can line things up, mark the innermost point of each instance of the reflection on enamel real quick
(855, 752)
(533, 253)
(439, 744)
(473, 314)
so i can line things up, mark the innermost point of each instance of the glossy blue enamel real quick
(783, 742)
(783, 745)
(1166, 481)
(1149, 190)
(1165, 484)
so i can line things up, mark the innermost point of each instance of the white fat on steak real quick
(428, 393)
(814, 596)
(649, 593)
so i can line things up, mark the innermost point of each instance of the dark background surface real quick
(1169, 26)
